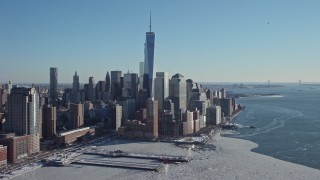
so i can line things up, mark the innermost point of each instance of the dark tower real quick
(108, 82)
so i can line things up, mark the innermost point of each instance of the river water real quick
(287, 125)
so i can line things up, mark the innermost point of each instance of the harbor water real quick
(287, 125)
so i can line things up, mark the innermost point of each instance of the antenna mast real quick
(150, 22)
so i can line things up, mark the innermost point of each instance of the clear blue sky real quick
(207, 40)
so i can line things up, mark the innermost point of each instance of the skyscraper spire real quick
(150, 22)
(108, 82)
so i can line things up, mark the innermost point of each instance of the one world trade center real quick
(149, 73)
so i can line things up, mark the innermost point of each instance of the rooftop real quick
(178, 75)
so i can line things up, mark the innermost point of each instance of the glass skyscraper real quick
(161, 88)
(23, 116)
(53, 84)
(177, 92)
(116, 84)
(149, 72)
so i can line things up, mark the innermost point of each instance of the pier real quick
(115, 159)
(164, 158)
(119, 164)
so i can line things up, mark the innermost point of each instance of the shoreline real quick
(256, 145)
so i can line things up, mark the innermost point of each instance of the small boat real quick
(252, 126)
(230, 126)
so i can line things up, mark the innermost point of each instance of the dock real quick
(164, 158)
(115, 159)
(119, 164)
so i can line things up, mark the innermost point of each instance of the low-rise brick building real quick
(18, 147)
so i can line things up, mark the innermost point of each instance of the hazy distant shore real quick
(254, 95)
(232, 159)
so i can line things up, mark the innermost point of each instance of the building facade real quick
(23, 115)
(49, 121)
(130, 85)
(177, 92)
(161, 90)
(76, 115)
(152, 119)
(116, 84)
(189, 87)
(53, 84)
(149, 72)
(3, 155)
(108, 82)
(114, 116)
(18, 147)
(76, 88)
(213, 115)
(91, 89)
(100, 90)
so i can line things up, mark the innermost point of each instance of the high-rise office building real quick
(130, 86)
(67, 96)
(76, 83)
(200, 105)
(85, 92)
(23, 107)
(76, 88)
(128, 110)
(8, 87)
(1, 99)
(116, 84)
(152, 119)
(209, 96)
(226, 106)
(161, 88)
(83, 95)
(188, 123)
(189, 92)
(141, 69)
(108, 82)
(213, 114)
(149, 72)
(23, 115)
(168, 105)
(142, 98)
(177, 92)
(141, 73)
(223, 93)
(91, 89)
(114, 116)
(100, 90)
(77, 115)
(49, 121)
(53, 84)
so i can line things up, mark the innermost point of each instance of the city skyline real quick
(227, 42)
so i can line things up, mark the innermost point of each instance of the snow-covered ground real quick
(232, 159)
(21, 171)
